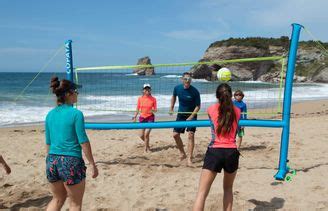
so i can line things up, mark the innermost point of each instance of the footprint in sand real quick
(322, 205)
(161, 209)
(6, 185)
(316, 188)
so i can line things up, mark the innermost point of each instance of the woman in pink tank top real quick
(222, 151)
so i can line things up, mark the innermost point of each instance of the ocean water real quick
(114, 95)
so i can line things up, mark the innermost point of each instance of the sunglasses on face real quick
(186, 79)
(238, 95)
(76, 92)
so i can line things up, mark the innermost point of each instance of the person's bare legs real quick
(239, 140)
(142, 134)
(5, 165)
(179, 143)
(147, 134)
(59, 196)
(206, 179)
(191, 145)
(228, 180)
(75, 194)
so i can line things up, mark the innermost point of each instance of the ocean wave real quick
(253, 82)
(171, 76)
(201, 80)
(22, 114)
(95, 105)
(132, 74)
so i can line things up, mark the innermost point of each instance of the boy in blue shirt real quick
(238, 101)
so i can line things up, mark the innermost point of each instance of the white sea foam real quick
(92, 105)
(171, 76)
(131, 74)
(14, 114)
(201, 80)
(253, 82)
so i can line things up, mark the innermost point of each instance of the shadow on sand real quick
(275, 203)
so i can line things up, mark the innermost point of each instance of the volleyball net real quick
(113, 91)
(110, 93)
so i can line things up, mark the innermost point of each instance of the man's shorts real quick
(69, 169)
(240, 132)
(217, 159)
(147, 119)
(184, 117)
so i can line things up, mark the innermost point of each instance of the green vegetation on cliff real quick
(312, 55)
(264, 43)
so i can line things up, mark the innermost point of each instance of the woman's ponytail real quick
(226, 110)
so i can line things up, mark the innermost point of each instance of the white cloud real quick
(264, 18)
(290, 11)
(142, 45)
(193, 34)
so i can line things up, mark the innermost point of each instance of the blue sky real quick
(120, 32)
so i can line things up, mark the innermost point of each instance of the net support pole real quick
(69, 60)
(283, 159)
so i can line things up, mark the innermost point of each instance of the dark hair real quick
(226, 110)
(239, 92)
(60, 88)
(186, 73)
(147, 87)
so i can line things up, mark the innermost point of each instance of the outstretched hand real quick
(94, 170)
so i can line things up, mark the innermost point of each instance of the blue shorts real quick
(184, 117)
(69, 169)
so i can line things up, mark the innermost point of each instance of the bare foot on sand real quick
(147, 150)
(189, 162)
(182, 157)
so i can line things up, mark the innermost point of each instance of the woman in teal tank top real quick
(66, 139)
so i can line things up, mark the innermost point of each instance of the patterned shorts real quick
(69, 169)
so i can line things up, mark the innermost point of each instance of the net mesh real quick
(110, 93)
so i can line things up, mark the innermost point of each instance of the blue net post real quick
(282, 171)
(69, 60)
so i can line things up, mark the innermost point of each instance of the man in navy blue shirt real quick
(189, 105)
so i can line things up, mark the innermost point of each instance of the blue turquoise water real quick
(115, 94)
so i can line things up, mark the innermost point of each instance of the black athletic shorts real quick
(184, 117)
(217, 159)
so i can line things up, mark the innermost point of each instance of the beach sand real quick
(132, 180)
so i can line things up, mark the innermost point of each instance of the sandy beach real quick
(132, 180)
